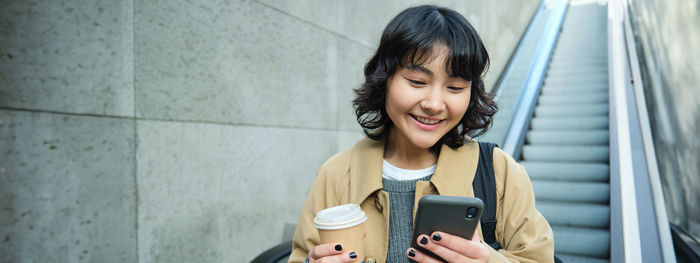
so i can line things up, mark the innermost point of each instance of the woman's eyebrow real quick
(415, 67)
(420, 68)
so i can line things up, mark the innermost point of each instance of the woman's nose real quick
(433, 102)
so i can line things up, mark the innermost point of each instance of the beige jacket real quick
(355, 176)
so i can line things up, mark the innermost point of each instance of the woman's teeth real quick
(426, 121)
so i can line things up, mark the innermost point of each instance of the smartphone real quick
(450, 214)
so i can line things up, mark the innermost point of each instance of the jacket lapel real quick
(453, 175)
(455, 170)
(366, 169)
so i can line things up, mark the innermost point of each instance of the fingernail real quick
(338, 247)
(437, 237)
(411, 253)
(353, 254)
(424, 241)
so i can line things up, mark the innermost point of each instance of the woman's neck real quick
(405, 155)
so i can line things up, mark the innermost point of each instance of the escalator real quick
(566, 150)
(574, 115)
(580, 127)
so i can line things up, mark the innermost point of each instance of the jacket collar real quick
(453, 175)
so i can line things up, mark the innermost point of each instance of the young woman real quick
(422, 101)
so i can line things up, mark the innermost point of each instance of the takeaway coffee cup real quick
(343, 224)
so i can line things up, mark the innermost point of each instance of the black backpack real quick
(484, 185)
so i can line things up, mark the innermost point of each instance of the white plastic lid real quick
(339, 217)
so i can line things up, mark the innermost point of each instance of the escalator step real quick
(558, 99)
(577, 83)
(583, 35)
(591, 58)
(575, 215)
(591, 172)
(581, 53)
(564, 123)
(595, 109)
(572, 191)
(582, 241)
(583, 137)
(587, 49)
(573, 45)
(565, 81)
(574, 89)
(584, 53)
(579, 259)
(567, 78)
(566, 153)
(578, 70)
(574, 63)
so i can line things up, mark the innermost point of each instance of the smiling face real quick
(424, 102)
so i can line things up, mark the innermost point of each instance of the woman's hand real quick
(450, 248)
(327, 253)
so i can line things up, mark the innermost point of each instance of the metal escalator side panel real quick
(666, 244)
(643, 227)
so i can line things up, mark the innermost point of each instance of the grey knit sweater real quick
(401, 201)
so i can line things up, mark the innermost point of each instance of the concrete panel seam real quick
(165, 120)
(314, 25)
(136, 137)
(65, 113)
(136, 187)
(240, 124)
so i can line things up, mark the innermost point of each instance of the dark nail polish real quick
(424, 241)
(437, 237)
(411, 253)
(353, 254)
(338, 247)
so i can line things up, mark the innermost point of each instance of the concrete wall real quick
(182, 131)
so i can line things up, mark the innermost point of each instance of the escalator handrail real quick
(535, 76)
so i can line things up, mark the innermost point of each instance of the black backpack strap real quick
(484, 186)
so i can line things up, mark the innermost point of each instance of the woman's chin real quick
(425, 143)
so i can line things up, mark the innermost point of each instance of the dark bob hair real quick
(410, 38)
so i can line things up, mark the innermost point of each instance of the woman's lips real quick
(426, 123)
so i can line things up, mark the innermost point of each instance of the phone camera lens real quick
(471, 212)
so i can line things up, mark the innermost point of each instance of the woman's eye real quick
(456, 88)
(415, 82)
